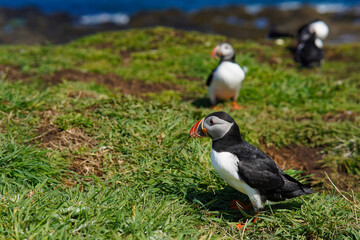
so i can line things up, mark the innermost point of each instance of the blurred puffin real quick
(243, 166)
(317, 27)
(309, 53)
(225, 80)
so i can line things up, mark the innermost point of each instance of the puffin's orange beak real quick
(214, 52)
(198, 129)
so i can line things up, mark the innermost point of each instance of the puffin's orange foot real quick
(235, 106)
(256, 218)
(234, 204)
(240, 226)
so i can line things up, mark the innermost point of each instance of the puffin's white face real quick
(216, 128)
(224, 51)
(211, 126)
(320, 29)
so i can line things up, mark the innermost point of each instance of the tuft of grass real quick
(25, 165)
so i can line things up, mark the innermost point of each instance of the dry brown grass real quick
(77, 146)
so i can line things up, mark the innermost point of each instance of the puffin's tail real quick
(292, 188)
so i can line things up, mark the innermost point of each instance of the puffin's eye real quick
(211, 122)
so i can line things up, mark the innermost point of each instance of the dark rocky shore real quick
(31, 26)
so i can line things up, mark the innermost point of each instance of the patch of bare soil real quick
(126, 57)
(332, 54)
(132, 87)
(101, 46)
(297, 157)
(300, 157)
(12, 73)
(72, 139)
(84, 163)
(89, 163)
(340, 116)
(302, 118)
(84, 160)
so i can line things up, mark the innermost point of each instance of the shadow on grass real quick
(203, 102)
(219, 201)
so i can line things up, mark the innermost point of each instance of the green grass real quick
(80, 160)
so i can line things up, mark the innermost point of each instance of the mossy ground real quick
(79, 159)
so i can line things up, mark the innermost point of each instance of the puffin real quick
(225, 80)
(317, 27)
(309, 53)
(243, 166)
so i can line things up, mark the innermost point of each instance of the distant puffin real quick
(309, 53)
(225, 80)
(317, 27)
(243, 166)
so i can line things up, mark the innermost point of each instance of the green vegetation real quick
(81, 160)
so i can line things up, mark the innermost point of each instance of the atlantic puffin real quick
(317, 27)
(310, 53)
(243, 166)
(225, 80)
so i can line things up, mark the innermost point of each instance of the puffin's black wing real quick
(210, 77)
(257, 169)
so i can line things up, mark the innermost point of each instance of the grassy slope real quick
(142, 187)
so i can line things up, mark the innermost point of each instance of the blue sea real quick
(80, 7)
(119, 11)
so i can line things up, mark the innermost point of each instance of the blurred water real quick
(83, 7)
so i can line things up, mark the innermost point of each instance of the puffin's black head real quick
(216, 125)
(317, 27)
(224, 51)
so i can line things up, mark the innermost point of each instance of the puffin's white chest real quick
(227, 79)
(226, 165)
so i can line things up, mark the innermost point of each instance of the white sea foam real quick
(289, 5)
(330, 7)
(293, 5)
(101, 18)
(254, 8)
